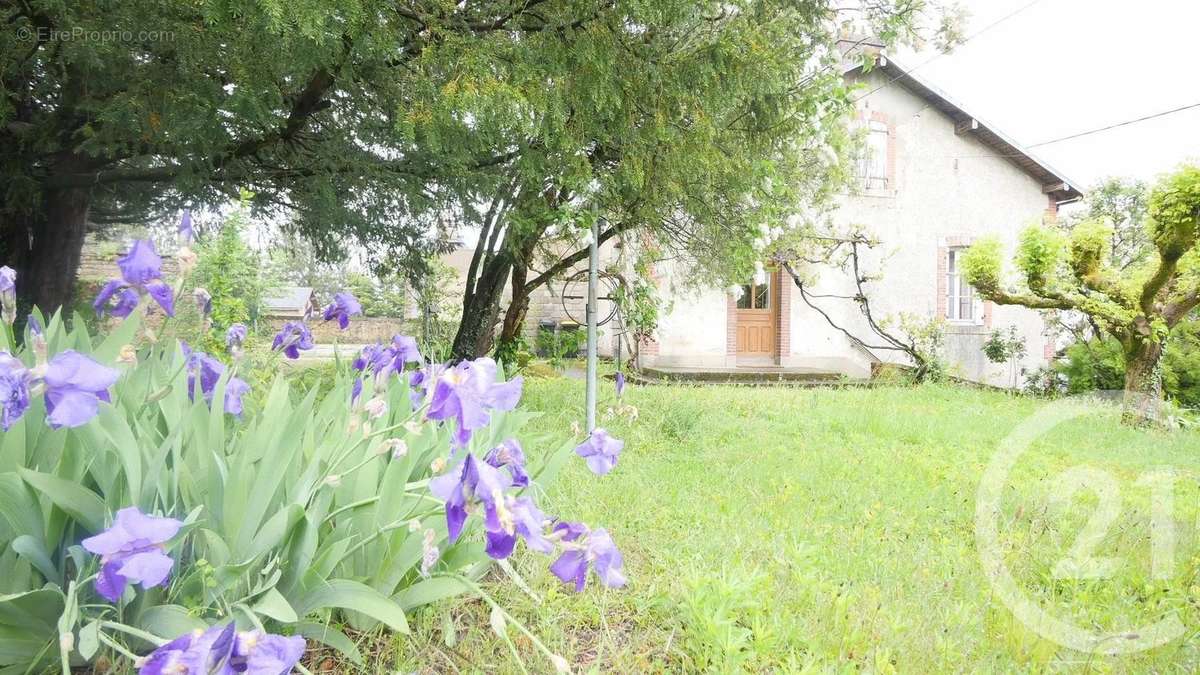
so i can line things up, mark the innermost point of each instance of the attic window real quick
(873, 165)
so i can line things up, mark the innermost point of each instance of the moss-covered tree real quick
(1138, 305)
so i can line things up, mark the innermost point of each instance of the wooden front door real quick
(756, 318)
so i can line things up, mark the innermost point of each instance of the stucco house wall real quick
(946, 189)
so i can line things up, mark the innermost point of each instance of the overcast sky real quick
(1059, 67)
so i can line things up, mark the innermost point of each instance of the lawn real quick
(771, 529)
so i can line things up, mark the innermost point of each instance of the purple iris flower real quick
(509, 454)
(235, 337)
(199, 651)
(373, 358)
(601, 451)
(126, 299)
(8, 294)
(405, 349)
(344, 306)
(293, 337)
(141, 269)
(8, 280)
(209, 371)
(586, 547)
(35, 327)
(519, 517)
(467, 393)
(186, 234)
(418, 384)
(620, 381)
(75, 385)
(259, 653)
(470, 482)
(131, 551)
(14, 390)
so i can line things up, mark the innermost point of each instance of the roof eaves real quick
(1005, 146)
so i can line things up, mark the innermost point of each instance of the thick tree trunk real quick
(481, 310)
(45, 248)
(1143, 383)
(518, 306)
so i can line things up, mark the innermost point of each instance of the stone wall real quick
(360, 331)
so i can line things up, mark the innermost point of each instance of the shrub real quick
(1099, 364)
(282, 510)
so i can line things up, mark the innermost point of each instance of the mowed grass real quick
(790, 530)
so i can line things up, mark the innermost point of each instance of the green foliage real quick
(1175, 212)
(298, 516)
(1096, 365)
(1121, 204)
(1039, 254)
(380, 297)
(231, 272)
(638, 301)
(1001, 347)
(983, 265)
(925, 337)
(1100, 365)
(560, 345)
(1091, 247)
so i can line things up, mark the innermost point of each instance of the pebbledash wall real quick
(944, 190)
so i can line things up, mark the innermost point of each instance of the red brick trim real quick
(1051, 209)
(783, 324)
(730, 324)
(649, 347)
(877, 116)
(943, 269)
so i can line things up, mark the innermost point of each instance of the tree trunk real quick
(1143, 383)
(518, 306)
(476, 329)
(44, 248)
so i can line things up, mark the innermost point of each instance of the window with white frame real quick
(960, 296)
(873, 164)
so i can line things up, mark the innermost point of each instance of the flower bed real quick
(140, 521)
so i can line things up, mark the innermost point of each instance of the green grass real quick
(785, 530)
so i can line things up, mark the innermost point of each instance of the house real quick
(289, 303)
(936, 179)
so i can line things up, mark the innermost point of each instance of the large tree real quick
(1139, 304)
(688, 128)
(117, 112)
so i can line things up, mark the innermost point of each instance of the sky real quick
(1059, 67)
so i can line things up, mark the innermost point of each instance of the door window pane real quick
(762, 295)
(744, 300)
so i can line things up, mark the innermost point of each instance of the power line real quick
(1117, 125)
(1077, 135)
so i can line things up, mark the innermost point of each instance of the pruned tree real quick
(1138, 305)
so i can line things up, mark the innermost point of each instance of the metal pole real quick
(593, 271)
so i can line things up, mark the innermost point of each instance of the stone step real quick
(795, 377)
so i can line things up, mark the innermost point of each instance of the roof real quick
(289, 299)
(1053, 181)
